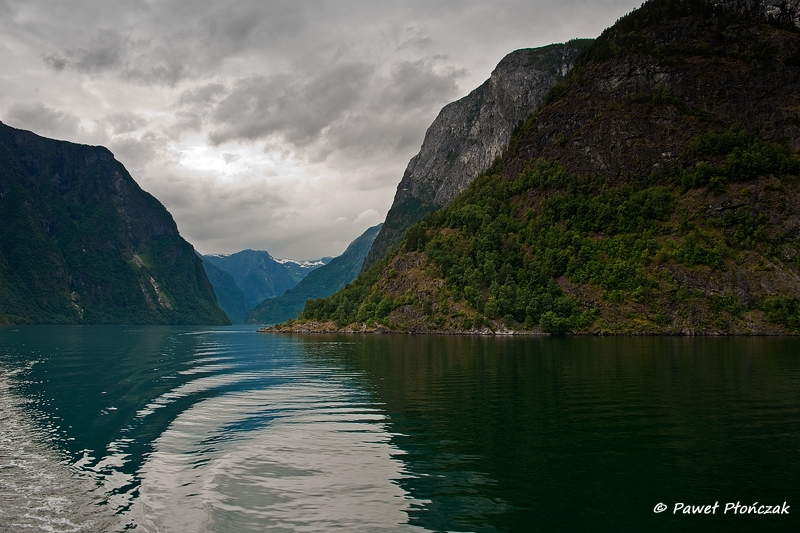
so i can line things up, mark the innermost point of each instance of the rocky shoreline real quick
(317, 327)
(379, 329)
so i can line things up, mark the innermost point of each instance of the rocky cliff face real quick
(80, 242)
(469, 134)
(686, 73)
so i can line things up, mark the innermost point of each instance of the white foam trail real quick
(38, 491)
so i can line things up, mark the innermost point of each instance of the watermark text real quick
(730, 508)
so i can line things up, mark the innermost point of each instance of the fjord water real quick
(224, 429)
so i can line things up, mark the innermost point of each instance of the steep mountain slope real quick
(656, 191)
(229, 296)
(469, 134)
(318, 284)
(81, 243)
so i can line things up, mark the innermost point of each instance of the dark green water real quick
(181, 429)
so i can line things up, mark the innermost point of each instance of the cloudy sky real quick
(275, 125)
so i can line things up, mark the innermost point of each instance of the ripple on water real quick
(301, 457)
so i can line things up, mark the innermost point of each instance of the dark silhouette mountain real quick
(657, 190)
(82, 243)
(320, 283)
(469, 134)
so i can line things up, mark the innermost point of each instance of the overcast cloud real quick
(276, 125)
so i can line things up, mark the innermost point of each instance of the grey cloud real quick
(44, 120)
(105, 51)
(376, 135)
(203, 95)
(215, 211)
(412, 37)
(417, 84)
(297, 109)
(169, 72)
(193, 106)
(182, 40)
(138, 61)
(185, 121)
(416, 43)
(55, 61)
(225, 33)
(343, 106)
(135, 153)
(392, 118)
(125, 122)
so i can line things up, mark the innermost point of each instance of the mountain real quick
(230, 297)
(318, 284)
(656, 191)
(298, 270)
(82, 243)
(469, 134)
(252, 277)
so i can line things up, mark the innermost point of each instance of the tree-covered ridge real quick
(656, 191)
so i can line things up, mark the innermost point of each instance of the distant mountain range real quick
(82, 243)
(244, 279)
(320, 283)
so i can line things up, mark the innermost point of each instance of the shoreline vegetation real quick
(379, 329)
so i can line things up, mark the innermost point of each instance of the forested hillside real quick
(469, 133)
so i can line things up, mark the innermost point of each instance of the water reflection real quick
(567, 434)
(186, 429)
